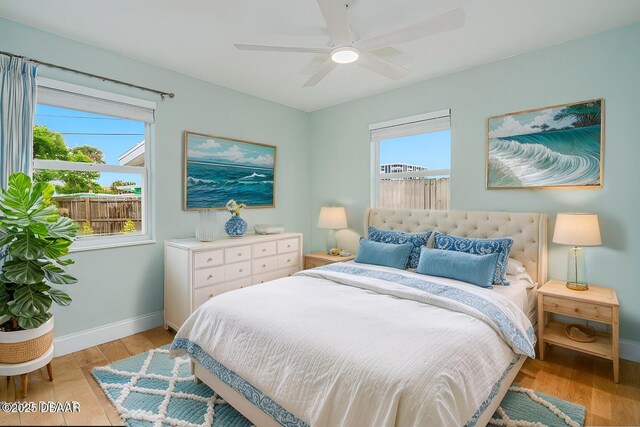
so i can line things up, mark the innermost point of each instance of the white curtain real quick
(17, 108)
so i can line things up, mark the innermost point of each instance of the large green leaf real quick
(27, 246)
(63, 227)
(30, 301)
(55, 274)
(64, 262)
(15, 200)
(33, 322)
(5, 235)
(23, 272)
(59, 297)
(5, 297)
(42, 192)
(44, 214)
(57, 248)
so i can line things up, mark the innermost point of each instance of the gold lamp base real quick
(577, 286)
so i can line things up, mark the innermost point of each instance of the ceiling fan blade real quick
(433, 25)
(375, 64)
(282, 48)
(314, 65)
(321, 73)
(335, 15)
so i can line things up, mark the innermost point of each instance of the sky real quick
(432, 150)
(80, 128)
(206, 148)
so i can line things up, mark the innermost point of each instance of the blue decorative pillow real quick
(418, 240)
(476, 269)
(500, 245)
(386, 254)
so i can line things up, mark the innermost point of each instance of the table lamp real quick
(577, 229)
(332, 218)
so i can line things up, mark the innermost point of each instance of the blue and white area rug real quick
(152, 390)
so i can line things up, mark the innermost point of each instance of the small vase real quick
(236, 226)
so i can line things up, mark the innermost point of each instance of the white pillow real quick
(515, 267)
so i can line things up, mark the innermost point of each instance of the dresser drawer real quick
(237, 270)
(585, 310)
(208, 276)
(264, 249)
(239, 253)
(287, 245)
(288, 260)
(202, 295)
(208, 259)
(261, 278)
(264, 265)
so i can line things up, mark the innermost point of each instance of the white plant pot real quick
(30, 344)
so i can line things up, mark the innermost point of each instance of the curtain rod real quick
(60, 67)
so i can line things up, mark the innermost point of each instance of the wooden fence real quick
(105, 215)
(423, 193)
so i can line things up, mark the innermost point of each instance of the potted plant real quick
(34, 239)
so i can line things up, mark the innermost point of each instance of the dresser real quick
(195, 271)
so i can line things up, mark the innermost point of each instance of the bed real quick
(356, 344)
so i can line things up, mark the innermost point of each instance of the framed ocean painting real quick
(554, 147)
(217, 169)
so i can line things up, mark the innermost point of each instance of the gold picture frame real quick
(556, 147)
(217, 169)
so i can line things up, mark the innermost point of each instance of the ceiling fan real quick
(346, 48)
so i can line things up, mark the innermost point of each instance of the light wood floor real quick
(568, 375)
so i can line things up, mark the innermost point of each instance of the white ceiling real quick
(196, 37)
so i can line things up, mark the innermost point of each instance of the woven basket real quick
(25, 351)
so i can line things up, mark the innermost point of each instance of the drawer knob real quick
(210, 295)
(288, 246)
(239, 253)
(576, 309)
(209, 277)
(264, 265)
(241, 270)
(289, 260)
(264, 249)
(209, 259)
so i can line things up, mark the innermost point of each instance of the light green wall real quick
(117, 284)
(605, 65)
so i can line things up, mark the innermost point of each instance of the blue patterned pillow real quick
(500, 245)
(418, 240)
(386, 254)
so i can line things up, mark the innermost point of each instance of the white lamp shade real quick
(332, 218)
(577, 229)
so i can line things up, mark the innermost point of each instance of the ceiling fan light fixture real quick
(345, 55)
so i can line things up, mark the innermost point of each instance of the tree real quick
(50, 145)
(586, 114)
(119, 183)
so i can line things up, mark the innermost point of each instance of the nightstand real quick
(318, 259)
(598, 304)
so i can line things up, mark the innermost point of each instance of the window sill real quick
(96, 245)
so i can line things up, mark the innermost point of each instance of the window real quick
(411, 161)
(94, 147)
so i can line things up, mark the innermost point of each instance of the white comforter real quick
(337, 347)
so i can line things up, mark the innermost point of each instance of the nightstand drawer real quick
(585, 310)
(313, 263)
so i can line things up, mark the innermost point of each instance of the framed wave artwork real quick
(553, 147)
(217, 169)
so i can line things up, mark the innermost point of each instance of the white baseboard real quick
(630, 350)
(112, 331)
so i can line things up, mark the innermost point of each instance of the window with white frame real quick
(95, 147)
(411, 161)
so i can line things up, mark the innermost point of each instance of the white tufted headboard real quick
(528, 230)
